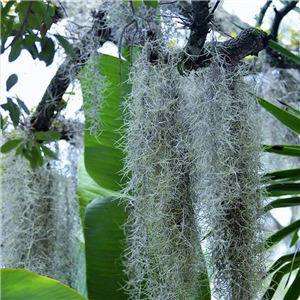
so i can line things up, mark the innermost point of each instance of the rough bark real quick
(51, 103)
(249, 42)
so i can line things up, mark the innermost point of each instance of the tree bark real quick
(51, 103)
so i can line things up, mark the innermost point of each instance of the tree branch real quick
(279, 15)
(199, 27)
(263, 10)
(274, 58)
(249, 42)
(51, 103)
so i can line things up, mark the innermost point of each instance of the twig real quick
(215, 7)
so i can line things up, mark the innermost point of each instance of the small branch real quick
(199, 27)
(274, 58)
(279, 15)
(215, 7)
(51, 103)
(23, 25)
(263, 10)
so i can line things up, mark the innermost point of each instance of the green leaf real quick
(6, 147)
(103, 158)
(5, 10)
(286, 202)
(204, 280)
(285, 52)
(15, 49)
(296, 111)
(39, 7)
(1, 121)
(295, 239)
(136, 3)
(283, 189)
(48, 152)
(88, 189)
(32, 153)
(47, 135)
(289, 174)
(276, 279)
(11, 81)
(105, 240)
(37, 154)
(284, 117)
(18, 284)
(23, 106)
(282, 233)
(48, 50)
(29, 43)
(293, 292)
(14, 111)
(20, 149)
(289, 150)
(153, 4)
(66, 45)
(6, 30)
(293, 257)
(238, 26)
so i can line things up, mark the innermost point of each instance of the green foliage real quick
(283, 266)
(66, 45)
(88, 189)
(13, 110)
(104, 238)
(284, 183)
(17, 284)
(290, 150)
(285, 52)
(10, 145)
(21, 20)
(33, 151)
(137, 3)
(48, 50)
(28, 23)
(153, 4)
(11, 81)
(47, 135)
(285, 202)
(288, 119)
(100, 176)
(103, 158)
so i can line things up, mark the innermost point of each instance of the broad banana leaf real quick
(103, 158)
(105, 241)
(100, 176)
(19, 284)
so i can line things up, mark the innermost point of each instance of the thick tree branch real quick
(249, 42)
(51, 103)
(199, 27)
